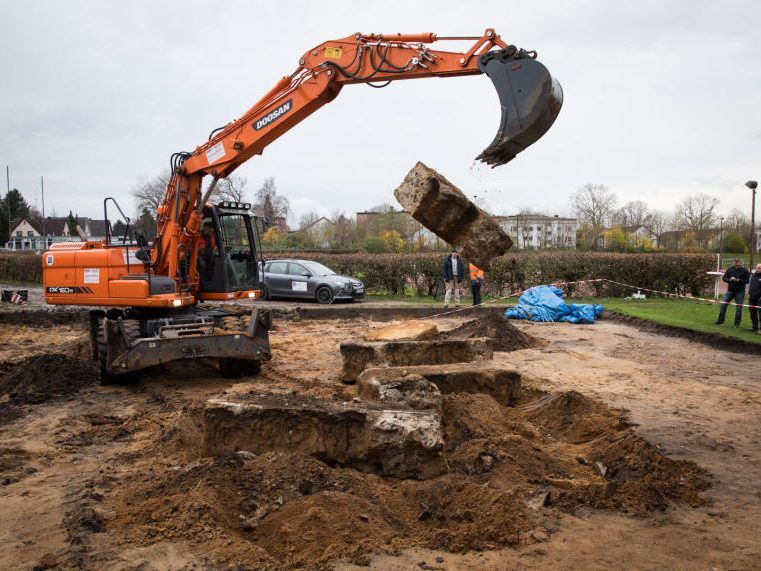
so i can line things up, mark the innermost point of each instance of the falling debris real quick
(442, 208)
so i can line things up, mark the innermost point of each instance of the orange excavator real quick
(204, 251)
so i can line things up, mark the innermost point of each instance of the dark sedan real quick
(308, 280)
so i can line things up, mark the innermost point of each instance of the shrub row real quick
(21, 267)
(397, 273)
(422, 273)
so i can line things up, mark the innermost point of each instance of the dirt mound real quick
(468, 416)
(289, 510)
(640, 478)
(505, 335)
(574, 418)
(40, 378)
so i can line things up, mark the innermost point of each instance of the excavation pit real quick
(359, 356)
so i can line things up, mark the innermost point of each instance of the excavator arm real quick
(529, 96)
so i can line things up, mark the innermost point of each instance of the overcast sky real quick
(661, 99)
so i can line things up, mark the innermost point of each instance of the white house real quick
(28, 235)
(539, 231)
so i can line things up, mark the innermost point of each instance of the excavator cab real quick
(530, 98)
(228, 266)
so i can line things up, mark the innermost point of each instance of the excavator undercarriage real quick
(126, 341)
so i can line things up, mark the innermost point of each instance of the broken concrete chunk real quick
(500, 382)
(442, 208)
(359, 356)
(407, 330)
(408, 390)
(389, 441)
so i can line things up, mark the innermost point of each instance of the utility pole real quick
(753, 185)
(721, 239)
(42, 190)
(8, 198)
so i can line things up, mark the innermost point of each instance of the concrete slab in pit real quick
(385, 383)
(407, 330)
(359, 356)
(390, 441)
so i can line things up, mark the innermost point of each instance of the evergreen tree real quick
(13, 207)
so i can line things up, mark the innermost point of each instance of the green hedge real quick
(397, 273)
(400, 273)
(21, 267)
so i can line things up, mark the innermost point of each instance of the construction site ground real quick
(628, 448)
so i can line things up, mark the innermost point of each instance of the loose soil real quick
(99, 477)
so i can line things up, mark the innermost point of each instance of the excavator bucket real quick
(530, 97)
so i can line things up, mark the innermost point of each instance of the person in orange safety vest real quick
(476, 280)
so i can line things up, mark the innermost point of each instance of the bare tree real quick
(232, 188)
(344, 230)
(658, 223)
(149, 193)
(696, 212)
(634, 213)
(269, 203)
(308, 219)
(593, 204)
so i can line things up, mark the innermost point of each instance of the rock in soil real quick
(442, 208)
(499, 381)
(389, 441)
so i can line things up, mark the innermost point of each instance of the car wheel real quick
(265, 294)
(324, 295)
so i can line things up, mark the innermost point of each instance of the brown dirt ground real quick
(100, 476)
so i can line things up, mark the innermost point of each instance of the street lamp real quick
(753, 185)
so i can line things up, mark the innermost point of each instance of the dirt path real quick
(79, 472)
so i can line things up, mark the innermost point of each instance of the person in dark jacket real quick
(754, 298)
(454, 272)
(736, 277)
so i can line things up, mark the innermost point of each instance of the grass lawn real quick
(694, 315)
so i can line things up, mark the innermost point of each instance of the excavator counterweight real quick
(530, 98)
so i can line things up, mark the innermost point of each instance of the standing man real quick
(454, 272)
(476, 281)
(736, 277)
(754, 298)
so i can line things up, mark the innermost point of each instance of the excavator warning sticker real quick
(273, 115)
(333, 52)
(49, 259)
(130, 257)
(92, 276)
(215, 153)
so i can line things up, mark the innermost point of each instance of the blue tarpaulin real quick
(545, 303)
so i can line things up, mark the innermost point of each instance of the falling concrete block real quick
(405, 331)
(498, 381)
(359, 356)
(381, 439)
(442, 208)
(411, 391)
